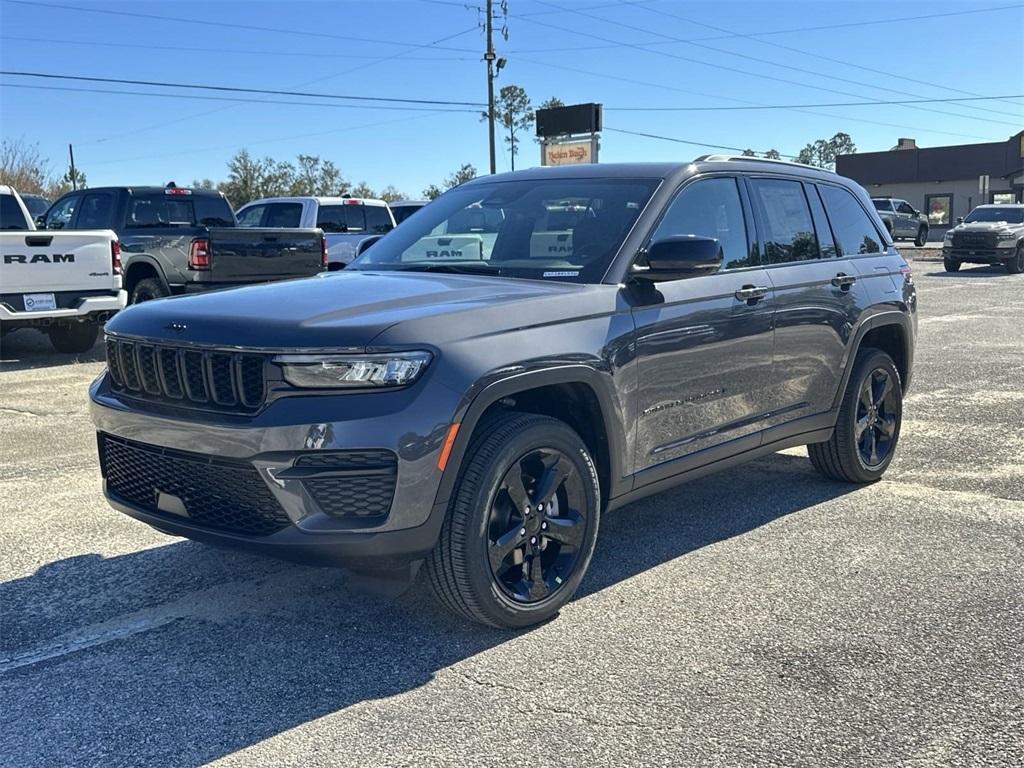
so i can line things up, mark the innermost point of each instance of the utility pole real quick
(489, 57)
(74, 176)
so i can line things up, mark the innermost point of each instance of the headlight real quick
(1007, 236)
(395, 369)
(948, 238)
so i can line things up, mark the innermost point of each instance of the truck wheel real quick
(147, 290)
(868, 428)
(922, 236)
(1016, 265)
(521, 525)
(77, 337)
(951, 265)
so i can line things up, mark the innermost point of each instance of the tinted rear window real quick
(96, 212)
(377, 219)
(11, 216)
(341, 218)
(163, 210)
(786, 219)
(284, 215)
(882, 205)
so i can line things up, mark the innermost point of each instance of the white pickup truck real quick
(346, 221)
(65, 284)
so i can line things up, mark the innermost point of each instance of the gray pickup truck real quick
(176, 240)
(991, 234)
(902, 220)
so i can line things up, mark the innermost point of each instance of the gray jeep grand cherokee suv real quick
(477, 401)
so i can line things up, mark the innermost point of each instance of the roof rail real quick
(747, 158)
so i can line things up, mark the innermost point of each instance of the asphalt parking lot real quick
(762, 616)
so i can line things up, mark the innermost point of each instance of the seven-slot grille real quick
(225, 495)
(187, 376)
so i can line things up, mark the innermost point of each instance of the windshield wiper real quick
(450, 268)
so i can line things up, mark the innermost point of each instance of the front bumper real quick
(87, 307)
(980, 255)
(266, 448)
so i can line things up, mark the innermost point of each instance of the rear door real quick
(817, 296)
(704, 343)
(907, 217)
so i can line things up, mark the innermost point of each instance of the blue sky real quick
(624, 55)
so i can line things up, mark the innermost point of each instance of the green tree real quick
(823, 152)
(362, 189)
(203, 184)
(313, 176)
(513, 112)
(466, 172)
(749, 153)
(390, 194)
(250, 178)
(433, 192)
(773, 154)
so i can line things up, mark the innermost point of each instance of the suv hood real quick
(348, 310)
(987, 226)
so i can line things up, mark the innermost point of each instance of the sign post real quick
(569, 135)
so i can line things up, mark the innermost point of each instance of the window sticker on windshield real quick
(565, 273)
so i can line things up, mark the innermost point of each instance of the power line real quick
(224, 24)
(745, 72)
(791, 49)
(731, 35)
(218, 50)
(686, 141)
(238, 89)
(662, 86)
(958, 99)
(233, 99)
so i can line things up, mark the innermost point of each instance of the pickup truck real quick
(902, 219)
(65, 284)
(991, 234)
(346, 221)
(176, 240)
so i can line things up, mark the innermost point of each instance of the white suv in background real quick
(346, 221)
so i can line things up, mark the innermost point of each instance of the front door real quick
(704, 344)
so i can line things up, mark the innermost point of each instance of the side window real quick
(95, 212)
(355, 221)
(331, 218)
(710, 208)
(11, 216)
(147, 211)
(905, 207)
(821, 226)
(854, 231)
(59, 216)
(251, 216)
(377, 219)
(788, 230)
(284, 215)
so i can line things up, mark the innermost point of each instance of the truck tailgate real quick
(256, 254)
(48, 261)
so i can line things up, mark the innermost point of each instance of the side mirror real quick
(41, 221)
(365, 244)
(680, 256)
(959, 219)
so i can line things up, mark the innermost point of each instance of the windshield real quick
(558, 229)
(1011, 215)
(36, 205)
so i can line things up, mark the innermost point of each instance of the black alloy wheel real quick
(147, 290)
(877, 415)
(537, 525)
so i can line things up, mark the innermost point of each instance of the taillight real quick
(115, 257)
(199, 254)
(323, 251)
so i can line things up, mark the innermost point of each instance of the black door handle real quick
(843, 281)
(751, 293)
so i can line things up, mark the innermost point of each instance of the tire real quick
(148, 289)
(847, 456)
(951, 265)
(77, 337)
(922, 236)
(483, 565)
(1015, 266)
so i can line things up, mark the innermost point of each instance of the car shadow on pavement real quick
(180, 654)
(28, 349)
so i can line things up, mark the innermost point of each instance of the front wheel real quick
(951, 265)
(868, 427)
(922, 237)
(522, 523)
(1016, 265)
(77, 337)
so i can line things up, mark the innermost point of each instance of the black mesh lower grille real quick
(227, 496)
(352, 484)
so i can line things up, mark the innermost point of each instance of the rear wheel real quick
(1016, 265)
(868, 427)
(922, 236)
(522, 523)
(951, 265)
(147, 290)
(77, 337)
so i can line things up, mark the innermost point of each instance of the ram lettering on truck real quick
(56, 258)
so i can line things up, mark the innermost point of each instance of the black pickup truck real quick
(176, 240)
